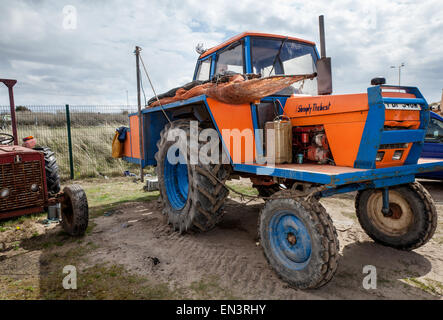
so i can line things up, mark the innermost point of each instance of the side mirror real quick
(324, 76)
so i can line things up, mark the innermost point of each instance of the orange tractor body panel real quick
(131, 147)
(232, 120)
(344, 119)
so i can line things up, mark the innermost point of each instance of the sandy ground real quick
(137, 237)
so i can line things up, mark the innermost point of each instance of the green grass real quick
(241, 187)
(106, 281)
(111, 193)
(427, 285)
(210, 287)
(14, 222)
(15, 289)
(349, 214)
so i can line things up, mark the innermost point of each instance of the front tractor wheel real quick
(192, 197)
(74, 210)
(299, 241)
(410, 223)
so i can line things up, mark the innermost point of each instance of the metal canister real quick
(54, 212)
(300, 158)
(281, 140)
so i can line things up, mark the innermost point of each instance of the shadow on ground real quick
(392, 267)
(435, 187)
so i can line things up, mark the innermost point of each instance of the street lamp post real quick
(399, 71)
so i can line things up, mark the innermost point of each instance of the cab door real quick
(230, 59)
(433, 146)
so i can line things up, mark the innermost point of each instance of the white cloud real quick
(95, 63)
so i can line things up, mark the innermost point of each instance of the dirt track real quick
(230, 254)
(228, 258)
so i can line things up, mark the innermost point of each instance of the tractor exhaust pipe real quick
(10, 83)
(321, 25)
(324, 73)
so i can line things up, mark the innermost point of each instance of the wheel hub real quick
(399, 219)
(395, 211)
(290, 239)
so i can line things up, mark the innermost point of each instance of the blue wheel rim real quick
(290, 240)
(176, 181)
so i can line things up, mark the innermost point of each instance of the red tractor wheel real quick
(74, 210)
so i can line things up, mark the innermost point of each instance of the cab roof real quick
(249, 33)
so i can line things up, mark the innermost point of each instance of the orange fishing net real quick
(237, 89)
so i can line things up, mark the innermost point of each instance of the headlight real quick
(397, 155)
(34, 187)
(379, 156)
(4, 193)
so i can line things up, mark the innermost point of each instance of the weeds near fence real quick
(92, 129)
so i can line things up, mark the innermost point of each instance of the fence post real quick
(68, 125)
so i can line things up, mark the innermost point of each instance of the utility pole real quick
(140, 122)
(127, 99)
(399, 71)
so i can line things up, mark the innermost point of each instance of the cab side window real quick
(231, 59)
(204, 70)
(435, 131)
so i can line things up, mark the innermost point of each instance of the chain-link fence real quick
(92, 130)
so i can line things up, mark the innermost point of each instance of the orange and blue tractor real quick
(297, 144)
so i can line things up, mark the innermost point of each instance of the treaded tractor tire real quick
(51, 170)
(74, 210)
(294, 263)
(202, 207)
(413, 220)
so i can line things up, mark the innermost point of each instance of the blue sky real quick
(93, 63)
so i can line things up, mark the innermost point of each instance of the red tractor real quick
(30, 181)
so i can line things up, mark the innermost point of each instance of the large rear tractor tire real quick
(412, 219)
(299, 240)
(74, 210)
(192, 197)
(51, 170)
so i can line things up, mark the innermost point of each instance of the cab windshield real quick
(283, 56)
